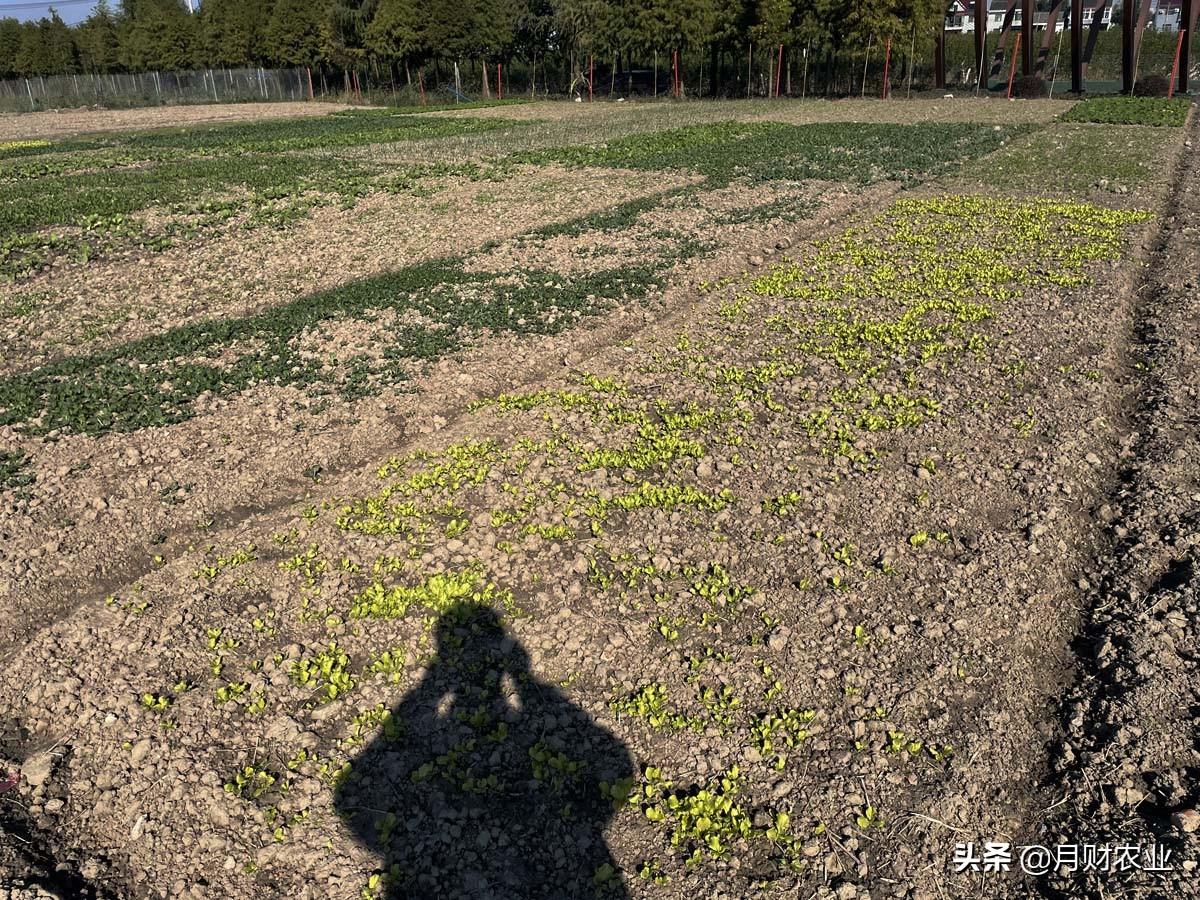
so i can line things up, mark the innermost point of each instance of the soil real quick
(83, 307)
(984, 110)
(61, 123)
(1128, 763)
(1024, 672)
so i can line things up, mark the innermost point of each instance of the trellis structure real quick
(1134, 14)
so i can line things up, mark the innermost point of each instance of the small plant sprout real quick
(868, 818)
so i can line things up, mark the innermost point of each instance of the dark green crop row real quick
(144, 383)
(246, 158)
(1156, 111)
(771, 151)
(349, 129)
(63, 185)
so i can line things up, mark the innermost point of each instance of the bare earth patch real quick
(83, 307)
(56, 124)
(984, 110)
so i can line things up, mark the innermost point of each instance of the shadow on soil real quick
(486, 782)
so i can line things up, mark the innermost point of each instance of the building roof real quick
(999, 7)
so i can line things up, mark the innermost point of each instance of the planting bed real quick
(53, 124)
(482, 506)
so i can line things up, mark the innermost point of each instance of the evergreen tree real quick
(773, 19)
(31, 52)
(234, 32)
(353, 34)
(156, 34)
(58, 45)
(96, 38)
(398, 31)
(294, 34)
(344, 31)
(10, 47)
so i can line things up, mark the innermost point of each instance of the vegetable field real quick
(734, 499)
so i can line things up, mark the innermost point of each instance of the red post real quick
(1012, 72)
(1175, 66)
(310, 90)
(887, 69)
(778, 71)
(591, 75)
(499, 84)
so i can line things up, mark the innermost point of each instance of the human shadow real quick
(486, 783)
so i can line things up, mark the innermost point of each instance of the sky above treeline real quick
(71, 11)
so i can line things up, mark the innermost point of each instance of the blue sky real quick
(71, 10)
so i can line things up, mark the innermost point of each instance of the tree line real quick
(405, 36)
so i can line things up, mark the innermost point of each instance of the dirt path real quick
(61, 123)
(1128, 767)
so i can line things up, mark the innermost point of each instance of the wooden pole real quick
(912, 48)
(1026, 38)
(749, 70)
(980, 39)
(939, 57)
(866, 59)
(1006, 31)
(1187, 20)
(1139, 29)
(1127, 20)
(1054, 71)
(499, 83)
(1048, 31)
(591, 75)
(778, 71)
(1077, 46)
(804, 83)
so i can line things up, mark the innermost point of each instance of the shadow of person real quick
(486, 783)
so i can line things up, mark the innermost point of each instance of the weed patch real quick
(772, 151)
(1154, 111)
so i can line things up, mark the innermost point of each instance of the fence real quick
(735, 72)
(1102, 71)
(150, 88)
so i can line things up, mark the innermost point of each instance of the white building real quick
(962, 16)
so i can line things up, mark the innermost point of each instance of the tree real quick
(11, 34)
(96, 38)
(156, 34)
(344, 31)
(233, 32)
(31, 52)
(294, 32)
(398, 32)
(58, 45)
